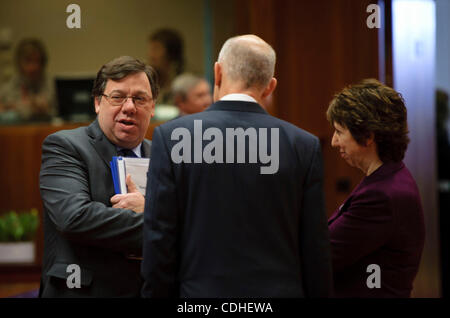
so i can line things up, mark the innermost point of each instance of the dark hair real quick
(121, 67)
(26, 46)
(173, 42)
(372, 107)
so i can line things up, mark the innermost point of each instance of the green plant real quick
(16, 227)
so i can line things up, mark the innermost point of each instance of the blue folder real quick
(115, 174)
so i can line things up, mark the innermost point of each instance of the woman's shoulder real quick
(393, 184)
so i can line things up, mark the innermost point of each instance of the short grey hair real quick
(249, 59)
(183, 83)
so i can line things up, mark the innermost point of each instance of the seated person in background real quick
(28, 95)
(191, 94)
(84, 222)
(381, 222)
(166, 56)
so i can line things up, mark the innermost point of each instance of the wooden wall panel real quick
(321, 47)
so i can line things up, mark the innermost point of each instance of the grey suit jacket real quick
(80, 226)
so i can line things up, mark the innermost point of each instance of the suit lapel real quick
(146, 148)
(104, 148)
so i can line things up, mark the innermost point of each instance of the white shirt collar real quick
(137, 150)
(239, 97)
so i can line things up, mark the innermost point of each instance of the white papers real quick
(136, 167)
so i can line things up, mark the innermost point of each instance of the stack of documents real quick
(136, 167)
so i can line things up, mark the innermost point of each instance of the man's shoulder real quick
(212, 119)
(75, 135)
(186, 122)
(295, 130)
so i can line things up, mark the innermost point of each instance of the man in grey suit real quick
(236, 205)
(89, 231)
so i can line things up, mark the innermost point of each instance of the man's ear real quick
(179, 102)
(217, 74)
(217, 81)
(270, 88)
(152, 112)
(97, 104)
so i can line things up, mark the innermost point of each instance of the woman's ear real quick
(370, 140)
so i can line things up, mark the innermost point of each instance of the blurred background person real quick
(166, 56)
(28, 96)
(443, 144)
(382, 221)
(191, 94)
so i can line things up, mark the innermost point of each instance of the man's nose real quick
(128, 106)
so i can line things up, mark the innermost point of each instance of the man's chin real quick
(127, 141)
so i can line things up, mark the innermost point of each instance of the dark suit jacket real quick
(80, 226)
(380, 223)
(225, 230)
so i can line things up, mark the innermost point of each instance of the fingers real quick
(115, 199)
(130, 184)
(119, 201)
(131, 201)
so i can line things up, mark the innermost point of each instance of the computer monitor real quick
(74, 98)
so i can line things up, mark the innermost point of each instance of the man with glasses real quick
(91, 234)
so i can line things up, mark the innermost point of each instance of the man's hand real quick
(133, 200)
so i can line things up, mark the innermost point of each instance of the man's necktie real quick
(126, 153)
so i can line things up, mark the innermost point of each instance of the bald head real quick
(248, 59)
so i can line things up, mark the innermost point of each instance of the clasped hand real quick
(133, 200)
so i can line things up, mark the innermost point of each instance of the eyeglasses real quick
(116, 99)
